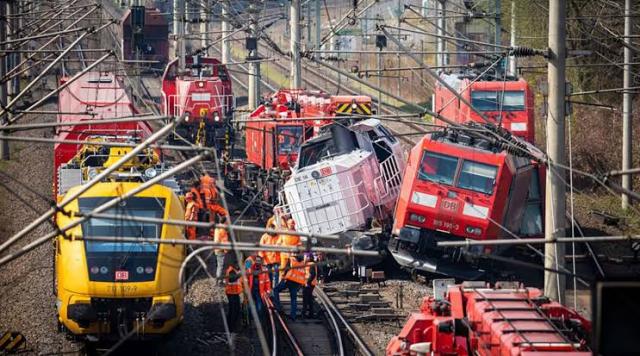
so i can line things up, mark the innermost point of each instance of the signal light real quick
(200, 84)
(419, 218)
(216, 116)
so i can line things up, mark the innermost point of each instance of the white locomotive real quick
(346, 182)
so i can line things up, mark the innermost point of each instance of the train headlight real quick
(216, 117)
(95, 270)
(354, 106)
(473, 230)
(92, 173)
(148, 270)
(150, 172)
(186, 117)
(419, 218)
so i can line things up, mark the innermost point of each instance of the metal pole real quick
(399, 81)
(498, 9)
(627, 100)
(380, 80)
(4, 145)
(225, 29)
(513, 63)
(440, 59)
(205, 9)
(178, 32)
(308, 18)
(296, 78)
(318, 25)
(554, 284)
(254, 67)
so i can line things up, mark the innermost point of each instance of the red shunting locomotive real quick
(459, 185)
(473, 319)
(202, 92)
(506, 100)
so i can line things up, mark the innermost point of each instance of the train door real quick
(517, 200)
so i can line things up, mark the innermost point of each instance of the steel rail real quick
(334, 323)
(146, 185)
(71, 197)
(357, 339)
(292, 341)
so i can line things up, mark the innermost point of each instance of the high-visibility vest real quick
(311, 265)
(296, 272)
(233, 288)
(197, 198)
(191, 213)
(220, 236)
(269, 257)
(288, 241)
(263, 280)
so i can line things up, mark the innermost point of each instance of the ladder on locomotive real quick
(532, 306)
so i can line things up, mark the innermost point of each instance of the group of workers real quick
(270, 272)
(267, 272)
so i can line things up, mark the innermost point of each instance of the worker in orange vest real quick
(233, 289)
(259, 283)
(271, 258)
(288, 240)
(311, 280)
(293, 279)
(191, 215)
(221, 235)
(210, 194)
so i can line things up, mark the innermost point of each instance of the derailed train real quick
(109, 289)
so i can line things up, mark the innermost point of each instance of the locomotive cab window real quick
(438, 168)
(134, 260)
(489, 100)
(289, 138)
(477, 176)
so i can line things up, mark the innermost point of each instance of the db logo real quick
(450, 205)
(122, 275)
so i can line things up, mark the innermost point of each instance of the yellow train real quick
(108, 290)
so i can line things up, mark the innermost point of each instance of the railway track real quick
(330, 333)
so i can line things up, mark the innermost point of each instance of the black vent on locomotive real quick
(137, 26)
(343, 138)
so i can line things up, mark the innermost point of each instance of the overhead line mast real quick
(555, 201)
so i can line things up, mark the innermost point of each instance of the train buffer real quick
(12, 342)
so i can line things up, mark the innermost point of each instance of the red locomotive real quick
(276, 130)
(459, 185)
(472, 319)
(94, 96)
(202, 92)
(506, 100)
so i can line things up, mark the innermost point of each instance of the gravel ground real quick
(27, 301)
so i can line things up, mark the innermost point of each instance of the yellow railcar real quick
(108, 290)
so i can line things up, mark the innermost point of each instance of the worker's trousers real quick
(307, 301)
(233, 314)
(293, 292)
